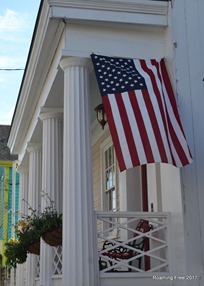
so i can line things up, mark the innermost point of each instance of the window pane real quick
(107, 180)
(110, 178)
(106, 160)
(113, 200)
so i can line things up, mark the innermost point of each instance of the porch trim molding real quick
(132, 6)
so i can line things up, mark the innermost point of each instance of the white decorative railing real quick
(57, 260)
(118, 231)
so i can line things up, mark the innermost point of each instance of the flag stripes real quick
(141, 111)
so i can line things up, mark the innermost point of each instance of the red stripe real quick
(159, 99)
(141, 127)
(155, 126)
(180, 151)
(178, 147)
(113, 132)
(170, 92)
(151, 112)
(163, 109)
(127, 130)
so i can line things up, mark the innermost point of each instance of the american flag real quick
(141, 111)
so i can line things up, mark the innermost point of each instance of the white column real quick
(23, 195)
(34, 189)
(52, 178)
(78, 231)
(23, 190)
(35, 174)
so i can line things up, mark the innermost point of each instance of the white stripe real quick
(155, 104)
(148, 127)
(157, 109)
(177, 160)
(134, 128)
(176, 126)
(120, 131)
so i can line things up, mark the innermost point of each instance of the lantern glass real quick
(101, 115)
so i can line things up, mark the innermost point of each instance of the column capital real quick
(33, 146)
(22, 169)
(76, 62)
(49, 113)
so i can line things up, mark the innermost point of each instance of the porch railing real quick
(118, 231)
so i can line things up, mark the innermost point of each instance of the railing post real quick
(169, 243)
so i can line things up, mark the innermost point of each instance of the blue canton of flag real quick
(118, 75)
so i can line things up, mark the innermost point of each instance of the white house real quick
(63, 150)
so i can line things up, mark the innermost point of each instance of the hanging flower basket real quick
(15, 252)
(29, 230)
(53, 237)
(34, 248)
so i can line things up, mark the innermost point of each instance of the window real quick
(109, 174)
(109, 182)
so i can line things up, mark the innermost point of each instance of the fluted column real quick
(35, 174)
(23, 190)
(23, 196)
(78, 232)
(34, 189)
(52, 178)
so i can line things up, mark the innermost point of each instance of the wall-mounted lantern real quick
(101, 115)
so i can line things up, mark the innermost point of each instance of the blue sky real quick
(17, 20)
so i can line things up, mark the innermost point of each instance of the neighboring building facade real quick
(9, 199)
(63, 151)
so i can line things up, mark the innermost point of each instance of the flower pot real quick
(53, 237)
(34, 248)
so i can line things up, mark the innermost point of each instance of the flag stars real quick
(117, 75)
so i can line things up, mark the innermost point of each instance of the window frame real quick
(107, 143)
